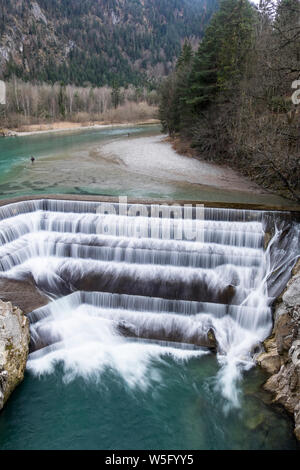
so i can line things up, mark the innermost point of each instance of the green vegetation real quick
(231, 99)
(97, 42)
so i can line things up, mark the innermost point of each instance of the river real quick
(132, 161)
(88, 387)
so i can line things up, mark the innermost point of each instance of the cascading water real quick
(127, 289)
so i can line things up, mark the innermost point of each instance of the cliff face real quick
(14, 347)
(282, 356)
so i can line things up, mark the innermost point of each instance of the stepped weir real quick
(129, 282)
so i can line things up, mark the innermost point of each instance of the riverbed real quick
(134, 161)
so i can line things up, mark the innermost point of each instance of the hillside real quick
(96, 41)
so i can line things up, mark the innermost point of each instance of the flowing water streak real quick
(133, 289)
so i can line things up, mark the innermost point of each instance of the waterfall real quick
(133, 283)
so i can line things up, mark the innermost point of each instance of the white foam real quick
(58, 243)
(88, 345)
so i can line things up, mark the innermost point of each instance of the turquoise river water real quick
(78, 163)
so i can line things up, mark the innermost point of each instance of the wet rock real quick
(212, 341)
(267, 239)
(297, 420)
(106, 281)
(205, 339)
(255, 421)
(282, 356)
(270, 361)
(227, 295)
(23, 294)
(285, 333)
(14, 347)
(126, 329)
(292, 294)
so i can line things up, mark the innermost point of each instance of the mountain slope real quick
(96, 41)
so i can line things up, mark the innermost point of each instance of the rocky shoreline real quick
(65, 126)
(14, 331)
(7, 133)
(281, 358)
(14, 348)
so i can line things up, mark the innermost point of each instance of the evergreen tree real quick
(232, 98)
(168, 108)
(116, 94)
(185, 56)
(173, 91)
(93, 41)
(220, 61)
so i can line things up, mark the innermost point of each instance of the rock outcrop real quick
(282, 356)
(14, 347)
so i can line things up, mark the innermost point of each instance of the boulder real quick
(270, 361)
(14, 348)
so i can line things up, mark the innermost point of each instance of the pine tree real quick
(185, 56)
(220, 60)
(168, 108)
(173, 91)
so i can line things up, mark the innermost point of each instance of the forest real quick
(235, 100)
(97, 42)
(91, 60)
(29, 103)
